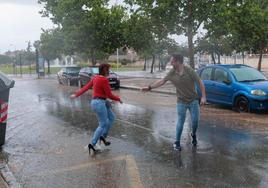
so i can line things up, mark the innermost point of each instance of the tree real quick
(174, 47)
(88, 26)
(4, 59)
(245, 23)
(176, 17)
(146, 36)
(214, 46)
(255, 25)
(138, 35)
(29, 54)
(51, 45)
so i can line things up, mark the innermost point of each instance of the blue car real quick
(238, 86)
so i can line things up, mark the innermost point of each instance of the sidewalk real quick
(136, 80)
(3, 183)
(137, 83)
(142, 74)
(7, 179)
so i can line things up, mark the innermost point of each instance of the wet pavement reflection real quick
(47, 132)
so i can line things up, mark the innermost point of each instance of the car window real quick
(206, 74)
(95, 70)
(220, 75)
(88, 70)
(245, 74)
(83, 70)
(73, 69)
(112, 72)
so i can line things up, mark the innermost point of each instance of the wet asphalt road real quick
(47, 133)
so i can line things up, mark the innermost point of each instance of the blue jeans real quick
(105, 117)
(194, 112)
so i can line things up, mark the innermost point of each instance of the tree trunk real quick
(260, 60)
(219, 58)
(152, 66)
(30, 69)
(213, 58)
(191, 46)
(243, 56)
(159, 63)
(190, 33)
(235, 58)
(93, 58)
(144, 66)
(48, 66)
(36, 61)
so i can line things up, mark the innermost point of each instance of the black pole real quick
(37, 65)
(159, 63)
(20, 66)
(14, 66)
(48, 66)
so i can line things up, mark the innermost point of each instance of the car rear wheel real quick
(117, 86)
(242, 104)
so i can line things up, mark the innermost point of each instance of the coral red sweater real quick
(101, 88)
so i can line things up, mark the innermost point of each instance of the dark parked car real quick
(86, 74)
(239, 86)
(68, 75)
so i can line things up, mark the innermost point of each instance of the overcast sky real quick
(20, 22)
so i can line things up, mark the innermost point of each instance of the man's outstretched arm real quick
(155, 84)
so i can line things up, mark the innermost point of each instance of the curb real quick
(7, 179)
(153, 91)
(3, 183)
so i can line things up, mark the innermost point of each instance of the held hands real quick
(145, 89)
(72, 96)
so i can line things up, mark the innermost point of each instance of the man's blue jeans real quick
(194, 112)
(105, 117)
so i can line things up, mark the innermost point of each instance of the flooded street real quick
(47, 132)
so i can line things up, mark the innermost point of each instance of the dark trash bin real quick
(5, 85)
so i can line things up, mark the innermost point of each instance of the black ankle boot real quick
(91, 147)
(194, 141)
(106, 143)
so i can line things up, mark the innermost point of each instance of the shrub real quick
(83, 64)
(125, 61)
(114, 65)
